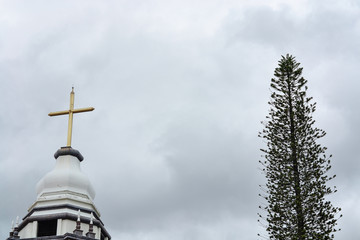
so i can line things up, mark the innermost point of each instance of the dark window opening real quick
(102, 237)
(47, 228)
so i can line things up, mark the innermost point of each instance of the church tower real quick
(64, 208)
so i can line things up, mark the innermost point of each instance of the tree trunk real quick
(298, 201)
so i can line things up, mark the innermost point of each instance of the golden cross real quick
(71, 111)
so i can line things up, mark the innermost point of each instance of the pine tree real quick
(295, 164)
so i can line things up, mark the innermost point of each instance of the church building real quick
(64, 208)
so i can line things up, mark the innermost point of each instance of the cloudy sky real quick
(179, 90)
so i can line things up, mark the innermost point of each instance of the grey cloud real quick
(171, 148)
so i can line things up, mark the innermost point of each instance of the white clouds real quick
(179, 88)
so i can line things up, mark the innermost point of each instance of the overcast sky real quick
(179, 90)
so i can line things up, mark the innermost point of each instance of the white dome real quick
(66, 175)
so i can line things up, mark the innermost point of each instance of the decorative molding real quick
(68, 151)
(67, 216)
(66, 236)
(60, 206)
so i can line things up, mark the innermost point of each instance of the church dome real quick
(66, 176)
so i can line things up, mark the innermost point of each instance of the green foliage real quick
(294, 164)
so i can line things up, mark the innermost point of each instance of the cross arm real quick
(88, 109)
(59, 113)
